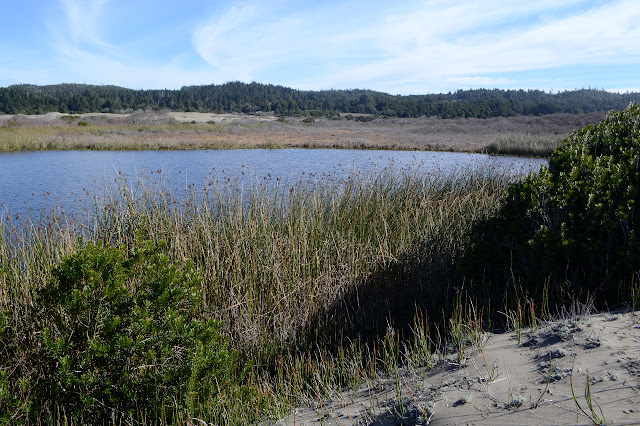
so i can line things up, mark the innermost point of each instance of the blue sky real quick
(400, 47)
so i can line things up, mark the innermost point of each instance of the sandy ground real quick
(506, 382)
(185, 117)
(203, 117)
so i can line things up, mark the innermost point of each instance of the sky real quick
(398, 47)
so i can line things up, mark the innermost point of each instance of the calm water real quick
(31, 182)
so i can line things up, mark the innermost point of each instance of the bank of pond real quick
(217, 298)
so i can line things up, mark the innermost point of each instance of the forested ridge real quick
(257, 97)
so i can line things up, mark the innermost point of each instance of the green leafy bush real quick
(574, 225)
(116, 334)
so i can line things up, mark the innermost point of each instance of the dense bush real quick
(114, 334)
(574, 225)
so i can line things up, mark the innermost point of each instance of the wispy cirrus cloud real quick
(414, 46)
(79, 38)
(253, 38)
(83, 20)
(424, 45)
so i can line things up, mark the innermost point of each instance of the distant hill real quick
(255, 97)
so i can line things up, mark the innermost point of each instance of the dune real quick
(501, 381)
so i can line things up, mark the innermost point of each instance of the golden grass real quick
(150, 130)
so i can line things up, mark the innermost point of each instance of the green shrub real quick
(116, 334)
(574, 225)
(83, 123)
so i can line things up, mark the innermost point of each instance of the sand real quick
(506, 382)
(203, 117)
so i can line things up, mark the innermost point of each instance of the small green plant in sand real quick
(514, 401)
(491, 372)
(597, 419)
(422, 354)
(514, 320)
(547, 385)
(465, 327)
(458, 330)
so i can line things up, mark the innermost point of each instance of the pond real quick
(32, 182)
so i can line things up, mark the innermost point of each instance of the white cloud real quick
(83, 54)
(83, 20)
(249, 39)
(477, 81)
(624, 90)
(414, 46)
(431, 41)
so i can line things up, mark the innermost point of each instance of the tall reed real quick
(274, 256)
(525, 144)
(307, 277)
(103, 137)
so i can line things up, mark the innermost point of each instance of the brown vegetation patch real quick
(171, 130)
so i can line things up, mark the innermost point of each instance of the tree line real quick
(256, 97)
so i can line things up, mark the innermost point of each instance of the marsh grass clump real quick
(314, 255)
(524, 144)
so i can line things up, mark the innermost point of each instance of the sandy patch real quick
(186, 117)
(203, 117)
(506, 383)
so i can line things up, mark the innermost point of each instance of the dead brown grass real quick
(166, 130)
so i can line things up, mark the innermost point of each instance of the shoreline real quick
(524, 135)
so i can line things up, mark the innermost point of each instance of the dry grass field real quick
(178, 130)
